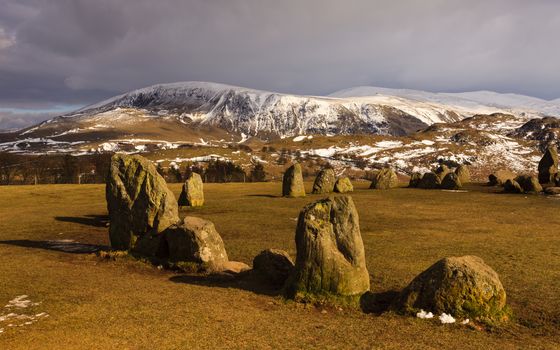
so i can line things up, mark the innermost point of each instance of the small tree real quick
(257, 173)
(175, 174)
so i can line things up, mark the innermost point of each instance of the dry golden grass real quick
(124, 304)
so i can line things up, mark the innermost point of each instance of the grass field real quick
(123, 304)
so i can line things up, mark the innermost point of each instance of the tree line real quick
(18, 169)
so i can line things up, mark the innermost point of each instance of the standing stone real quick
(548, 166)
(140, 205)
(330, 262)
(529, 184)
(192, 194)
(451, 182)
(343, 185)
(384, 179)
(460, 286)
(324, 182)
(429, 181)
(512, 186)
(441, 171)
(274, 265)
(500, 177)
(463, 174)
(292, 182)
(196, 240)
(415, 179)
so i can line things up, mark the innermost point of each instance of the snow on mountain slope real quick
(261, 113)
(183, 113)
(483, 101)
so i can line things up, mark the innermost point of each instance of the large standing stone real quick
(292, 182)
(324, 182)
(139, 203)
(343, 185)
(429, 181)
(330, 262)
(196, 240)
(384, 179)
(463, 174)
(500, 177)
(530, 184)
(548, 166)
(459, 286)
(192, 194)
(274, 265)
(451, 182)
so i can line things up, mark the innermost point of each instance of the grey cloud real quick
(80, 51)
(10, 120)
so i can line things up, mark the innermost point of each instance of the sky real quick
(59, 55)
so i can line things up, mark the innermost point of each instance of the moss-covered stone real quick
(512, 186)
(441, 171)
(429, 181)
(463, 174)
(384, 179)
(292, 182)
(192, 194)
(196, 240)
(529, 184)
(343, 185)
(548, 165)
(451, 182)
(415, 179)
(330, 262)
(324, 182)
(460, 286)
(139, 203)
(500, 177)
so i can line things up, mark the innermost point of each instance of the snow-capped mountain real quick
(193, 111)
(512, 103)
(260, 113)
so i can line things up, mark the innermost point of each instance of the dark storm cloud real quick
(56, 52)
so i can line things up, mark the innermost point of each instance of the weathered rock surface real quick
(500, 177)
(463, 174)
(460, 286)
(415, 179)
(196, 240)
(548, 165)
(324, 182)
(529, 184)
(429, 181)
(274, 265)
(451, 182)
(384, 179)
(139, 203)
(192, 194)
(330, 261)
(343, 185)
(292, 182)
(512, 186)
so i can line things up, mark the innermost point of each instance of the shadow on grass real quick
(378, 303)
(247, 281)
(87, 220)
(66, 246)
(264, 195)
